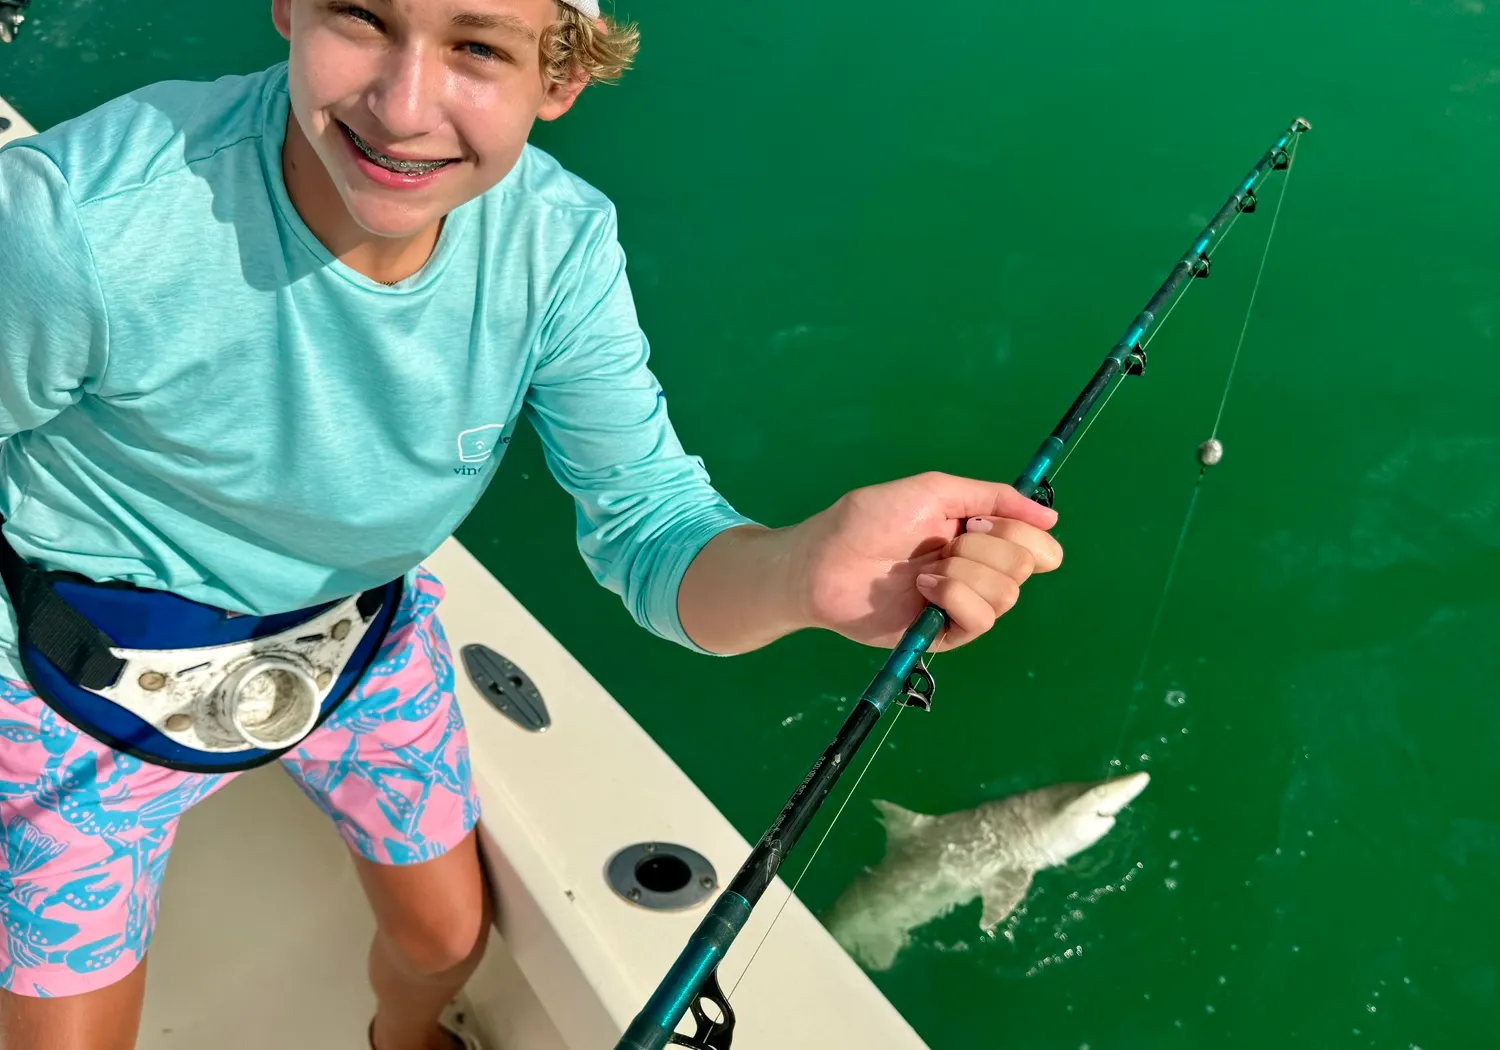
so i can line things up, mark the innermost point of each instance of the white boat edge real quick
(558, 805)
(17, 129)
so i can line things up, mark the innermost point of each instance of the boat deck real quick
(263, 930)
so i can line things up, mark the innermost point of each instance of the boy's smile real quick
(403, 110)
(391, 168)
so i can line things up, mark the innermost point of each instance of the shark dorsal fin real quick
(900, 824)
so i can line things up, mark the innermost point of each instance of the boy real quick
(248, 329)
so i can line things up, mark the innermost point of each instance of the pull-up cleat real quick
(12, 14)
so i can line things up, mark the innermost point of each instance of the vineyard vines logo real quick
(478, 445)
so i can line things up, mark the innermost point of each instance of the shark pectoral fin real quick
(900, 824)
(1002, 894)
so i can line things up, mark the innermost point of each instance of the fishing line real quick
(848, 797)
(806, 867)
(1138, 683)
(1275, 218)
(1156, 331)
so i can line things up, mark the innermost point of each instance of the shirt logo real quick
(478, 445)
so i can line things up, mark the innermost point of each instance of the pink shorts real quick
(85, 831)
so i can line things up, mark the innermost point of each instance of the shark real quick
(934, 864)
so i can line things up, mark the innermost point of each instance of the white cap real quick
(587, 7)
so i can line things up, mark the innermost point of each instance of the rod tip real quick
(1302, 124)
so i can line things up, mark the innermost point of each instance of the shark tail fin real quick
(900, 824)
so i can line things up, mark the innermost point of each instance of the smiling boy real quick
(262, 343)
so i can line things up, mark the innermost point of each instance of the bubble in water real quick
(1223, 979)
(1184, 731)
(1406, 980)
(1145, 757)
(1208, 1008)
(1172, 866)
(1176, 698)
(1170, 884)
(1296, 947)
(1370, 1007)
(1174, 834)
(1115, 762)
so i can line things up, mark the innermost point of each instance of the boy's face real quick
(416, 106)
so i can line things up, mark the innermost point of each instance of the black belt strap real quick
(61, 633)
(67, 638)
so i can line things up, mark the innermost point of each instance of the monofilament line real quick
(1155, 331)
(828, 831)
(1275, 218)
(1138, 682)
(889, 729)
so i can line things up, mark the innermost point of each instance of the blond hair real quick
(577, 46)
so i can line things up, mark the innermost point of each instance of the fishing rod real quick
(693, 979)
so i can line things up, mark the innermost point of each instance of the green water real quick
(875, 241)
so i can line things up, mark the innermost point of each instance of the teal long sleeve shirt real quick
(196, 396)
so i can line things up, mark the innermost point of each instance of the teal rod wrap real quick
(652, 1027)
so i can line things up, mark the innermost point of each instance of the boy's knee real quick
(437, 941)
